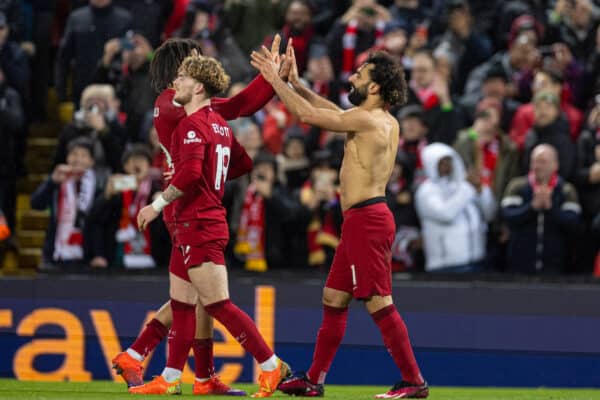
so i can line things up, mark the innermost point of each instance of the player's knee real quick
(377, 303)
(335, 299)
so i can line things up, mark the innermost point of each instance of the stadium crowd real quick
(498, 167)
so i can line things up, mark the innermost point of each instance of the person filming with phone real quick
(125, 65)
(97, 119)
(114, 239)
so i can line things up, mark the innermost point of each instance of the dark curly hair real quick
(166, 61)
(389, 75)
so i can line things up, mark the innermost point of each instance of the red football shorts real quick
(185, 256)
(362, 264)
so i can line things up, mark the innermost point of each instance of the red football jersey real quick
(204, 141)
(167, 114)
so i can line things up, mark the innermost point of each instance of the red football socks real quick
(181, 335)
(329, 339)
(241, 327)
(396, 340)
(154, 332)
(203, 358)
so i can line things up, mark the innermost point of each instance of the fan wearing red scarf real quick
(167, 114)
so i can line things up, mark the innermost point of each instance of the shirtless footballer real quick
(361, 268)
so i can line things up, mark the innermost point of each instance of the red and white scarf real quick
(427, 96)
(489, 160)
(251, 232)
(349, 53)
(136, 245)
(535, 184)
(68, 244)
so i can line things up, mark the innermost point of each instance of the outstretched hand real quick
(263, 61)
(290, 62)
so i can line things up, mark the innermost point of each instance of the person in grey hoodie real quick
(453, 213)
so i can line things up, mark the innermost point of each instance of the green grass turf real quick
(12, 389)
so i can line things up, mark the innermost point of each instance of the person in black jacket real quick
(125, 64)
(551, 127)
(87, 29)
(114, 239)
(97, 119)
(12, 120)
(542, 213)
(587, 179)
(264, 239)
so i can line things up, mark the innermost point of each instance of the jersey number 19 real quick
(223, 154)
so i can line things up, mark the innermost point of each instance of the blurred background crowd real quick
(498, 168)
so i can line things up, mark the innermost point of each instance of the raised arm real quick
(252, 98)
(333, 120)
(294, 80)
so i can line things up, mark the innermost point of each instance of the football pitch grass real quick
(101, 390)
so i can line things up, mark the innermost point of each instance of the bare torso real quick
(369, 159)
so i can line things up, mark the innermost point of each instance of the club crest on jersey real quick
(191, 138)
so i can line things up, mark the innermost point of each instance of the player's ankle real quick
(171, 374)
(135, 355)
(270, 364)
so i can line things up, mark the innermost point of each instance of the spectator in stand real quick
(14, 66)
(202, 23)
(113, 235)
(551, 127)
(429, 88)
(495, 85)
(293, 164)
(394, 42)
(464, 47)
(492, 160)
(413, 139)
(125, 64)
(12, 119)
(266, 212)
(277, 121)
(319, 72)
(487, 152)
(298, 26)
(573, 22)
(545, 80)
(542, 212)
(592, 76)
(69, 193)
(12, 9)
(98, 120)
(155, 14)
(319, 197)
(88, 29)
(414, 12)
(587, 180)
(407, 251)
(249, 136)
(252, 20)
(454, 213)
(518, 64)
(356, 31)
(13, 61)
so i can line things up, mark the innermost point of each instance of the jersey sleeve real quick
(251, 99)
(240, 163)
